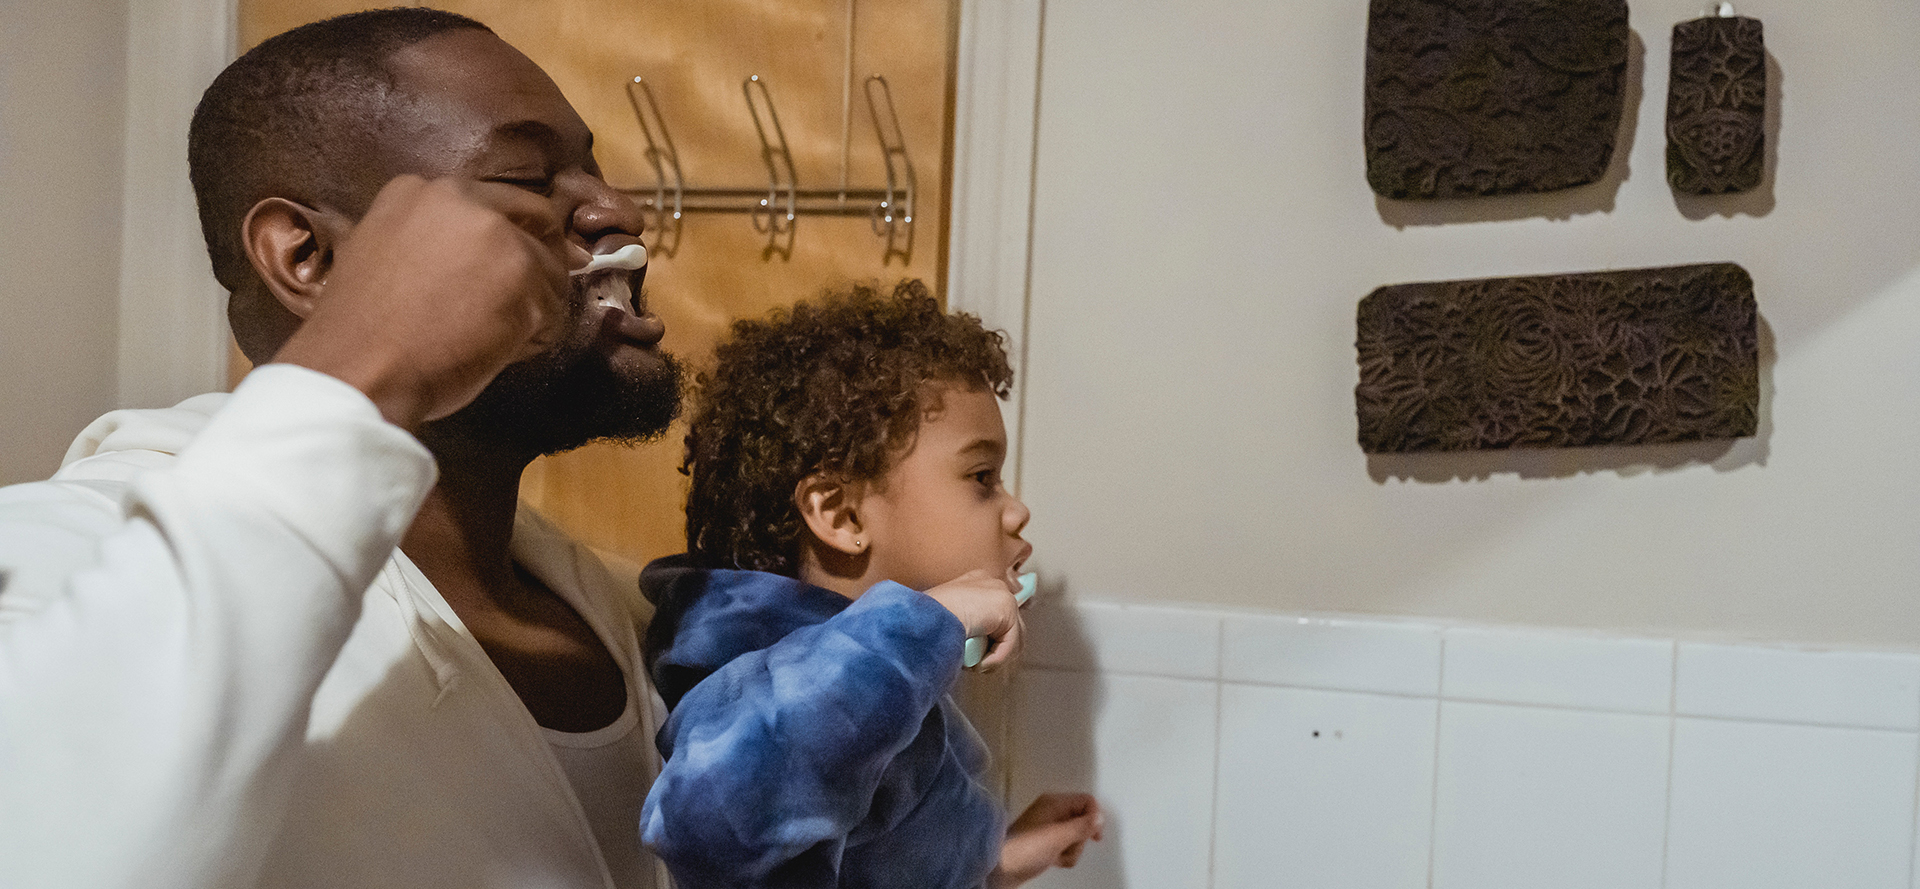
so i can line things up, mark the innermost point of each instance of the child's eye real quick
(987, 478)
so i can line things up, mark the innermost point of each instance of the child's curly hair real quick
(839, 385)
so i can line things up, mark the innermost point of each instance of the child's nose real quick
(1016, 516)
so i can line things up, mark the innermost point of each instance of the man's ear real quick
(291, 248)
(831, 509)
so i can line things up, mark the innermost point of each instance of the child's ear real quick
(291, 248)
(831, 509)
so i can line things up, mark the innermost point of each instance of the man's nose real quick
(606, 211)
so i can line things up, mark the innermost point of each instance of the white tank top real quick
(604, 767)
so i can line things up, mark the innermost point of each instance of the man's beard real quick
(563, 399)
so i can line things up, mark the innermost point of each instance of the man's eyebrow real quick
(531, 130)
(542, 135)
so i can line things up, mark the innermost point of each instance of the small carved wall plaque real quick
(1481, 97)
(1632, 357)
(1716, 105)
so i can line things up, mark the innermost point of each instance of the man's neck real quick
(462, 541)
(462, 537)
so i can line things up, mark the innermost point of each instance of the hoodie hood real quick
(705, 618)
(164, 430)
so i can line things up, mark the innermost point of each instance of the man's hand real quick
(1050, 833)
(441, 285)
(985, 605)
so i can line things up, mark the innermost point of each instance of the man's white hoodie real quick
(217, 669)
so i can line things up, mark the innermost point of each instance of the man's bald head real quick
(297, 117)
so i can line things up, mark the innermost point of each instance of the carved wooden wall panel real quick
(1631, 357)
(1716, 105)
(1481, 97)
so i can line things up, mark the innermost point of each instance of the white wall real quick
(104, 280)
(1201, 232)
(62, 98)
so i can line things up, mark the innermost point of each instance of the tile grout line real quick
(1913, 826)
(1004, 700)
(1219, 722)
(1673, 731)
(1433, 801)
(1418, 696)
(1798, 723)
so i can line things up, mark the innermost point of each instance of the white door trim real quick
(173, 330)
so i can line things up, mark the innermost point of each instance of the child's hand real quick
(985, 605)
(1050, 833)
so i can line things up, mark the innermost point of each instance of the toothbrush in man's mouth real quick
(609, 289)
(630, 257)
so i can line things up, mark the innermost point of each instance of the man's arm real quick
(441, 285)
(162, 633)
(161, 639)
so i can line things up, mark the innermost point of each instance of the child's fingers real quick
(1006, 648)
(1071, 856)
(1052, 832)
(985, 605)
(1048, 808)
(1059, 843)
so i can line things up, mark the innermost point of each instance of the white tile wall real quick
(1560, 670)
(1327, 789)
(1350, 655)
(1145, 746)
(1123, 639)
(1772, 806)
(1865, 689)
(1530, 797)
(1245, 751)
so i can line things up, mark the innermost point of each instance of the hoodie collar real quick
(707, 617)
(166, 430)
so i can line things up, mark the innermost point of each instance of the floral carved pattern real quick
(1481, 97)
(1716, 104)
(1633, 357)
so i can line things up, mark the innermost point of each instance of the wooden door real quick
(813, 58)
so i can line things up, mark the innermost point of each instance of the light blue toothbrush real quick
(977, 645)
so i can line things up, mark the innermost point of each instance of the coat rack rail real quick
(806, 201)
(775, 207)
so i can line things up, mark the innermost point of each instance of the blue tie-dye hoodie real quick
(811, 741)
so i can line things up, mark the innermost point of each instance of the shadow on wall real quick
(1625, 460)
(1049, 744)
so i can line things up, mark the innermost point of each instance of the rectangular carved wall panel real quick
(1716, 105)
(1630, 357)
(1480, 97)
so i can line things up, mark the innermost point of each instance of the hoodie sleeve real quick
(773, 759)
(164, 624)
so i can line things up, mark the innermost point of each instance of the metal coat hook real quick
(893, 218)
(665, 224)
(777, 205)
(781, 181)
